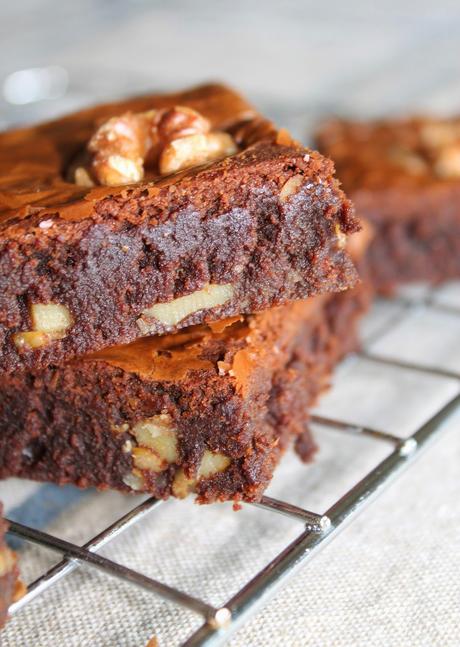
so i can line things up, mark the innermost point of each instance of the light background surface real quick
(392, 579)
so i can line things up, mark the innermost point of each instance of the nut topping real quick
(119, 147)
(442, 140)
(409, 161)
(439, 134)
(194, 150)
(180, 122)
(176, 138)
(83, 178)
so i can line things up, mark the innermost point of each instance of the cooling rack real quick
(318, 528)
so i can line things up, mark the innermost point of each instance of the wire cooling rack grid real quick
(318, 529)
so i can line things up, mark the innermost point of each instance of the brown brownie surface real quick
(231, 395)
(404, 177)
(268, 223)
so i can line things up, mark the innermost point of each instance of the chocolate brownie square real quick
(148, 215)
(404, 177)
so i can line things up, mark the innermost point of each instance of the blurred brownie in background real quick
(404, 177)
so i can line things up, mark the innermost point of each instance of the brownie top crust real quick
(404, 153)
(34, 161)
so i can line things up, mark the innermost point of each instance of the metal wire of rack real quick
(318, 528)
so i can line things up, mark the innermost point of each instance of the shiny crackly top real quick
(399, 153)
(34, 160)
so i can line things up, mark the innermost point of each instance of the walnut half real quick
(194, 150)
(171, 139)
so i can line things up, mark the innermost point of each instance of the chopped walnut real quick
(31, 339)
(159, 435)
(145, 459)
(82, 177)
(182, 486)
(134, 480)
(50, 317)
(291, 186)
(172, 312)
(157, 449)
(211, 463)
(120, 146)
(50, 321)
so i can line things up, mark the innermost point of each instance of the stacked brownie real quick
(404, 177)
(176, 286)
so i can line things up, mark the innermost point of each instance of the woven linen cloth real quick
(391, 578)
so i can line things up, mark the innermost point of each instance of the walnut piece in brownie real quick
(223, 215)
(209, 409)
(404, 177)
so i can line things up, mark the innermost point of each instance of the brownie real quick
(88, 261)
(9, 588)
(210, 408)
(404, 177)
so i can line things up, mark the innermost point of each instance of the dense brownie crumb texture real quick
(404, 176)
(10, 588)
(145, 216)
(209, 409)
